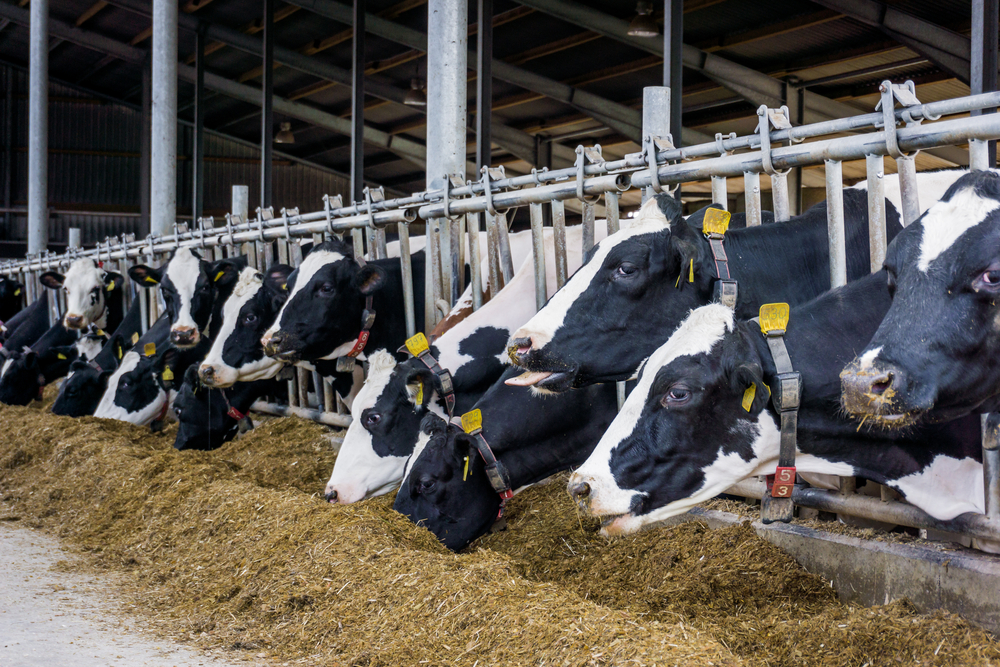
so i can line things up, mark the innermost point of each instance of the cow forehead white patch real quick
(946, 221)
(418, 449)
(83, 276)
(183, 271)
(246, 288)
(543, 326)
(313, 262)
(868, 358)
(381, 364)
(6, 366)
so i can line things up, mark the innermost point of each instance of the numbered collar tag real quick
(773, 319)
(716, 221)
(417, 344)
(472, 422)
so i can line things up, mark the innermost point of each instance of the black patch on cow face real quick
(203, 422)
(243, 346)
(939, 339)
(436, 496)
(394, 421)
(81, 392)
(639, 294)
(692, 415)
(21, 382)
(10, 298)
(138, 387)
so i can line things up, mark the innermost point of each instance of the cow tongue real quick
(527, 379)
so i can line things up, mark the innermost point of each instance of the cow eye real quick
(988, 280)
(425, 485)
(626, 269)
(249, 318)
(678, 395)
(327, 289)
(372, 419)
(892, 284)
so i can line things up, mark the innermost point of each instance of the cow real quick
(10, 298)
(26, 327)
(934, 356)
(86, 382)
(532, 437)
(208, 418)
(188, 286)
(700, 419)
(26, 373)
(387, 412)
(94, 297)
(640, 283)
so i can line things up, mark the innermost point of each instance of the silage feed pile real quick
(236, 548)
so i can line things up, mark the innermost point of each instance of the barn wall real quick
(94, 159)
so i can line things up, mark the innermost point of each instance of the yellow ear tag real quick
(773, 317)
(716, 221)
(100, 332)
(135, 337)
(17, 292)
(420, 394)
(61, 355)
(748, 397)
(149, 349)
(472, 421)
(465, 473)
(167, 374)
(691, 271)
(111, 286)
(417, 344)
(119, 351)
(151, 280)
(219, 275)
(284, 286)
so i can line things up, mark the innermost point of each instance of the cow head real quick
(201, 412)
(445, 488)
(82, 389)
(237, 354)
(938, 346)
(187, 284)
(694, 425)
(635, 285)
(10, 297)
(385, 421)
(88, 288)
(138, 390)
(326, 296)
(22, 377)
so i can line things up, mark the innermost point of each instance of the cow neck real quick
(496, 472)
(114, 310)
(389, 329)
(444, 377)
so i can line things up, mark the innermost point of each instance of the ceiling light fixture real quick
(643, 24)
(415, 96)
(285, 136)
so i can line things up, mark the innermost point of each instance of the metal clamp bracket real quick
(906, 95)
(593, 155)
(651, 145)
(768, 118)
(229, 229)
(488, 174)
(451, 181)
(330, 203)
(202, 223)
(285, 214)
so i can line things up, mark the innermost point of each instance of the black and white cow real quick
(26, 373)
(10, 298)
(237, 354)
(188, 286)
(387, 413)
(26, 327)
(640, 283)
(700, 419)
(208, 418)
(86, 382)
(937, 353)
(532, 436)
(94, 297)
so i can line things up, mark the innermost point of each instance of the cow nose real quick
(579, 491)
(184, 336)
(865, 390)
(207, 373)
(518, 348)
(272, 343)
(880, 384)
(331, 496)
(74, 321)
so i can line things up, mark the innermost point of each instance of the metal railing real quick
(457, 213)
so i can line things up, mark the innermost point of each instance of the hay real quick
(729, 583)
(216, 558)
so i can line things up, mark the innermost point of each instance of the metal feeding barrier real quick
(455, 215)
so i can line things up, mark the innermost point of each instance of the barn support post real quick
(406, 273)
(751, 193)
(655, 123)
(267, 108)
(835, 222)
(198, 142)
(673, 66)
(145, 150)
(538, 248)
(876, 211)
(358, 111)
(38, 127)
(484, 83)
(163, 196)
(983, 73)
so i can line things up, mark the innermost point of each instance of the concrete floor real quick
(50, 616)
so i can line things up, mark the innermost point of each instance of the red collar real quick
(231, 411)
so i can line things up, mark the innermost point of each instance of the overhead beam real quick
(948, 50)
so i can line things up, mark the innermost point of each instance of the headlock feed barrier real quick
(462, 209)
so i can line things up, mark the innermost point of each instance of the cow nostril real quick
(580, 491)
(880, 385)
(331, 497)
(207, 371)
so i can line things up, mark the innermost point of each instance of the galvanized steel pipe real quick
(38, 127)
(163, 198)
(835, 222)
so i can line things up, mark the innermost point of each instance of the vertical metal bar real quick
(876, 211)
(493, 253)
(406, 272)
(358, 104)
(198, 142)
(445, 258)
(991, 464)
(538, 248)
(358, 243)
(506, 262)
(673, 72)
(484, 82)
(559, 242)
(38, 127)
(751, 192)
(796, 110)
(431, 275)
(655, 117)
(620, 392)
(719, 194)
(983, 72)
(163, 200)
(283, 251)
(588, 227)
(267, 106)
(458, 247)
(611, 213)
(145, 151)
(329, 400)
(74, 238)
(835, 223)
(8, 143)
(447, 55)
(779, 196)
(475, 260)
(907, 170)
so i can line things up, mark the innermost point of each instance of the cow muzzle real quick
(184, 337)
(877, 394)
(74, 321)
(211, 376)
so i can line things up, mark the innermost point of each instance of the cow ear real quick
(670, 206)
(746, 379)
(276, 278)
(166, 368)
(62, 354)
(369, 279)
(113, 281)
(144, 275)
(678, 256)
(52, 279)
(224, 273)
(419, 387)
(697, 219)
